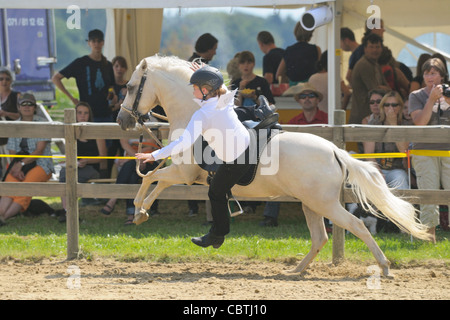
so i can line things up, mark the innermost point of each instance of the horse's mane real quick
(180, 68)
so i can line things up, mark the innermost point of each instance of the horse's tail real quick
(369, 186)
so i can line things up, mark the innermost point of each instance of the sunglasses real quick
(27, 104)
(307, 95)
(375, 101)
(391, 105)
(5, 78)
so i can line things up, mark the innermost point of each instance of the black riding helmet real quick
(207, 75)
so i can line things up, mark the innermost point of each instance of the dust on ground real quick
(103, 279)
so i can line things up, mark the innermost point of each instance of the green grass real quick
(167, 239)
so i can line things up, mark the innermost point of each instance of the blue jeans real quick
(396, 178)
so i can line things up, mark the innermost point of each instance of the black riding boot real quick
(266, 114)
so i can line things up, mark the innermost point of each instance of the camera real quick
(446, 90)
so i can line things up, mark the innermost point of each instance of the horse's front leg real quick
(166, 177)
(141, 214)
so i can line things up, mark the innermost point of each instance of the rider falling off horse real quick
(217, 113)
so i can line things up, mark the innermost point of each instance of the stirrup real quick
(236, 213)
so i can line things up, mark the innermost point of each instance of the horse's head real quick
(138, 101)
(159, 80)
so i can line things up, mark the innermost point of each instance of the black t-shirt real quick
(93, 79)
(259, 84)
(271, 61)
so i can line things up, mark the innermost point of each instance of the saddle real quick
(260, 135)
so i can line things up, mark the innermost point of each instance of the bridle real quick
(141, 118)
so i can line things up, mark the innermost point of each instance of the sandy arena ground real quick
(108, 279)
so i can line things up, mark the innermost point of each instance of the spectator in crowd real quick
(299, 60)
(26, 169)
(94, 76)
(319, 80)
(249, 84)
(418, 81)
(205, 48)
(393, 169)
(406, 116)
(87, 168)
(348, 43)
(308, 99)
(429, 106)
(115, 98)
(272, 56)
(120, 68)
(128, 175)
(375, 97)
(233, 69)
(8, 109)
(366, 76)
(359, 52)
(394, 77)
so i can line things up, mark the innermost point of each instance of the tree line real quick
(235, 32)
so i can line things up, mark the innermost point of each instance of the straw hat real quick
(296, 90)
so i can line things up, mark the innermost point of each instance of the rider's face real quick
(197, 93)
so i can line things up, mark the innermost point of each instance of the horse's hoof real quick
(140, 217)
(387, 273)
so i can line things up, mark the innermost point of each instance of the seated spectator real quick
(299, 60)
(8, 110)
(308, 98)
(375, 97)
(87, 168)
(25, 169)
(393, 169)
(249, 84)
(128, 175)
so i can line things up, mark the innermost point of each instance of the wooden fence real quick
(72, 190)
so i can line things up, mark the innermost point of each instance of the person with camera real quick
(431, 106)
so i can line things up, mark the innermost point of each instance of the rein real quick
(140, 118)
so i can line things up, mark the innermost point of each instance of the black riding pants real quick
(225, 178)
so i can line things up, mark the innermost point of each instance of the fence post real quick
(71, 184)
(338, 232)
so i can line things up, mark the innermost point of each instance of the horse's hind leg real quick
(319, 237)
(347, 221)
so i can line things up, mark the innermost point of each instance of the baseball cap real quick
(96, 34)
(27, 97)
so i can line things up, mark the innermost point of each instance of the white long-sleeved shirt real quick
(219, 125)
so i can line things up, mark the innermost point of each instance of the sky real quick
(293, 13)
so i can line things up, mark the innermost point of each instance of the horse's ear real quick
(144, 64)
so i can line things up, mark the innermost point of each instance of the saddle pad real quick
(258, 141)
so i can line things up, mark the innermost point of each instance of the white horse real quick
(311, 168)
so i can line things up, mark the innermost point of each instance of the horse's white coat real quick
(310, 168)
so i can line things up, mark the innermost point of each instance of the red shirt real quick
(320, 118)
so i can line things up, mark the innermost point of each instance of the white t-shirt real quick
(219, 125)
